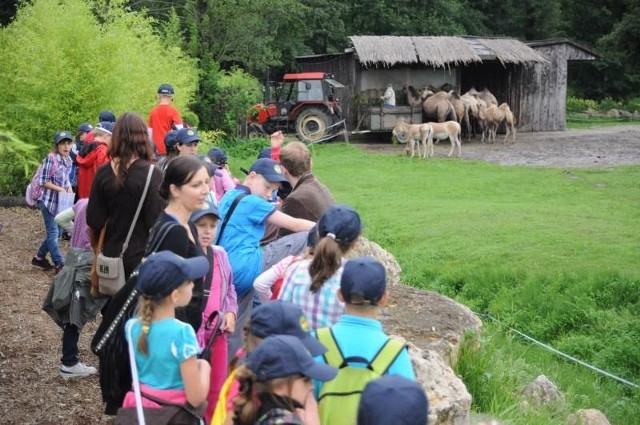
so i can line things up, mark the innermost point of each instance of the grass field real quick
(551, 252)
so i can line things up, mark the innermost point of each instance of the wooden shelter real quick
(530, 77)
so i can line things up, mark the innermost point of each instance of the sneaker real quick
(77, 371)
(56, 269)
(42, 263)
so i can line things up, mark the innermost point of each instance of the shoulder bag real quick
(233, 206)
(110, 270)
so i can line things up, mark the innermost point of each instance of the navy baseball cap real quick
(85, 127)
(393, 399)
(269, 169)
(363, 276)
(162, 272)
(280, 356)
(186, 136)
(342, 222)
(284, 318)
(265, 153)
(170, 139)
(218, 156)
(312, 236)
(107, 116)
(208, 209)
(166, 89)
(105, 126)
(62, 135)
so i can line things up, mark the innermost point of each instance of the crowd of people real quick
(239, 304)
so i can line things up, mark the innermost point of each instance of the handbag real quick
(168, 414)
(110, 270)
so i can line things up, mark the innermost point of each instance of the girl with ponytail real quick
(166, 349)
(313, 284)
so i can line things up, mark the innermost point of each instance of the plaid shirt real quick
(322, 308)
(57, 170)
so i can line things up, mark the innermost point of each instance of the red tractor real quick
(305, 102)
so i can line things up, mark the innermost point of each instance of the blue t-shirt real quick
(170, 342)
(242, 234)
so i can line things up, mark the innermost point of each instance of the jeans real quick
(70, 336)
(50, 242)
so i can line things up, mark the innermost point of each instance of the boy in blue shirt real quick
(245, 212)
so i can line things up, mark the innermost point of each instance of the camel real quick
(438, 106)
(461, 108)
(494, 116)
(413, 134)
(488, 97)
(413, 96)
(442, 131)
(473, 104)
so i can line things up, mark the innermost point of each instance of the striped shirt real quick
(322, 308)
(57, 170)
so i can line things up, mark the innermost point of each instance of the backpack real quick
(339, 398)
(34, 189)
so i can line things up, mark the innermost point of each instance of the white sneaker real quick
(78, 370)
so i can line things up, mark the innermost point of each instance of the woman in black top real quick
(115, 193)
(185, 187)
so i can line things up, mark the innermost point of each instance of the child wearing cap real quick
(55, 178)
(92, 156)
(393, 399)
(313, 284)
(270, 318)
(358, 333)
(166, 349)
(222, 181)
(245, 225)
(170, 146)
(163, 117)
(219, 296)
(279, 373)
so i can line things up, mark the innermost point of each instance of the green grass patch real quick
(578, 120)
(552, 252)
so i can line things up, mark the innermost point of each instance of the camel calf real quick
(495, 116)
(412, 134)
(442, 131)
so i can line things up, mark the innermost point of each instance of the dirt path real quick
(603, 147)
(31, 391)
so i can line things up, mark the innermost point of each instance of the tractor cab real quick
(305, 101)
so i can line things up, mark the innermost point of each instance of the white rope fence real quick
(560, 353)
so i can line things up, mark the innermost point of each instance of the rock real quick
(636, 114)
(544, 392)
(449, 400)
(442, 324)
(366, 247)
(626, 114)
(614, 113)
(590, 111)
(588, 417)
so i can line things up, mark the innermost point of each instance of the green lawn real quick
(550, 251)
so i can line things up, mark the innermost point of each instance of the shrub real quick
(575, 104)
(609, 103)
(77, 65)
(16, 163)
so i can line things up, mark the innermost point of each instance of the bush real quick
(16, 164)
(77, 65)
(575, 104)
(608, 103)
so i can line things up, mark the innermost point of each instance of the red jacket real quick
(88, 165)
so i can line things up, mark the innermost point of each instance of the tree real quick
(60, 66)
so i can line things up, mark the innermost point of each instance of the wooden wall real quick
(536, 93)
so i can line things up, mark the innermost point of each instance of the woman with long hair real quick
(115, 193)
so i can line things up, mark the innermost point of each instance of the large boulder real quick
(365, 246)
(434, 327)
(449, 400)
(588, 417)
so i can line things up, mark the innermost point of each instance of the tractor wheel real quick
(312, 125)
